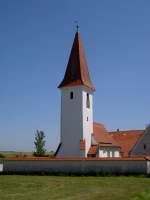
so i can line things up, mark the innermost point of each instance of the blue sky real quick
(35, 41)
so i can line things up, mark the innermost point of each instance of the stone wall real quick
(81, 166)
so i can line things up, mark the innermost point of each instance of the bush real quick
(2, 156)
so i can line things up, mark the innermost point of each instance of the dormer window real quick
(87, 100)
(71, 95)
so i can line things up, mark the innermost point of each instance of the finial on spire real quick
(77, 25)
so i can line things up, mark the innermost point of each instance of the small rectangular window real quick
(71, 95)
(87, 100)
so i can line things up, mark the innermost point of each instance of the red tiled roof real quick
(102, 137)
(82, 145)
(127, 139)
(92, 150)
(107, 145)
(77, 71)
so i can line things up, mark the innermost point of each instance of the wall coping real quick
(146, 158)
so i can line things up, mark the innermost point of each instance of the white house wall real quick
(105, 152)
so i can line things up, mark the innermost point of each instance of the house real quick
(102, 144)
(142, 146)
(80, 136)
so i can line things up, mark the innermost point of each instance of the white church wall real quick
(78, 166)
(87, 118)
(76, 121)
(105, 152)
(71, 121)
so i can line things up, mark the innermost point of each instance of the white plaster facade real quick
(110, 152)
(76, 121)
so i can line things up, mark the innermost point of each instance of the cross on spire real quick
(77, 25)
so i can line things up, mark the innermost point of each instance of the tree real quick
(39, 143)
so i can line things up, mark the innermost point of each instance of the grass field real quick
(21, 154)
(17, 187)
(15, 153)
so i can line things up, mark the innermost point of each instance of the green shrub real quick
(2, 156)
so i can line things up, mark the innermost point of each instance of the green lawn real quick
(17, 187)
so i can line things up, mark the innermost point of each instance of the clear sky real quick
(35, 41)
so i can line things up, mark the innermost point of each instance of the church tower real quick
(76, 105)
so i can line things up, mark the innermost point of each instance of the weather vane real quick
(77, 25)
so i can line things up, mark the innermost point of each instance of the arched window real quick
(71, 95)
(87, 100)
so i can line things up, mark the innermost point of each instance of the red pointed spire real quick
(77, 71)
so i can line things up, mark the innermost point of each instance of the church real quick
(82, 137)
(86, 146)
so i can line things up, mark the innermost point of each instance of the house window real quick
(87, 119)
(144, 146)
(87, 100)
(71, 95)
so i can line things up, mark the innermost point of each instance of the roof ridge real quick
(121, 131)
(97, 123)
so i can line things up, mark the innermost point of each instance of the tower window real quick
(87, 100)
(71, 95)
